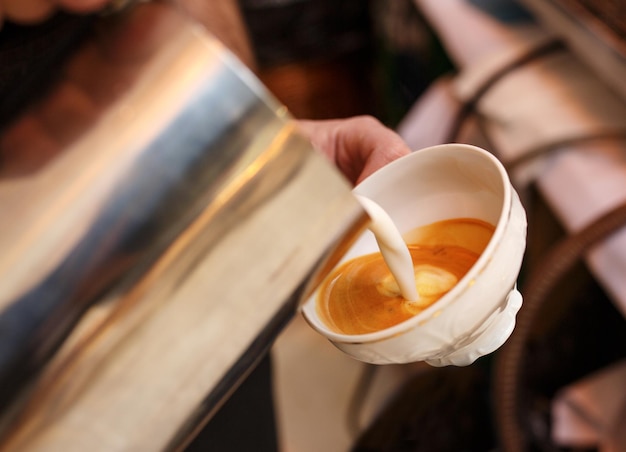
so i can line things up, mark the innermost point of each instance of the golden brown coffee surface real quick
(361, 296)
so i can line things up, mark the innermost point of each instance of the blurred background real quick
(327, 59)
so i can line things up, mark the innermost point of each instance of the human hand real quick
(31, 11)
(358, 146)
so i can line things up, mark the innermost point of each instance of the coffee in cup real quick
(451, 198)
(362, 296)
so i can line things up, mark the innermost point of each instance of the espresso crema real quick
(362, 296)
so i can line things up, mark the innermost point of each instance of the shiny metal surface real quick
(162, 220)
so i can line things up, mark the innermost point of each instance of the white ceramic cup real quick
(478, 314)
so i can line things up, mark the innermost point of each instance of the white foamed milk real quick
(392, 247)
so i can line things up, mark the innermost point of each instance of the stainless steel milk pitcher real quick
(150, 257)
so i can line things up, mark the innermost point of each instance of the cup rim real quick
(460, 287)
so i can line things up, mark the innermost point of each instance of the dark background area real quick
(332, 59)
